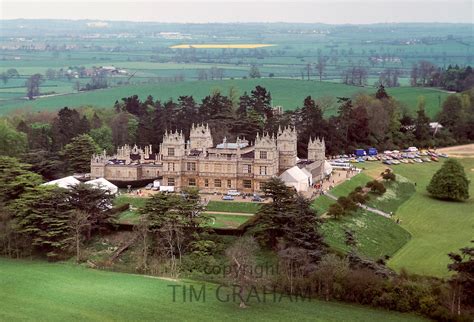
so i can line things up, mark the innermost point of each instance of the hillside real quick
(69, 292)
(288, 93)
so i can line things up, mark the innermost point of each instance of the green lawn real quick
(233, 206)
(129, 216)
(348, 186)
(227, 221)
(40, 291)
(437, 227)
(289, 93)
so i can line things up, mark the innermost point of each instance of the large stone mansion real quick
(199, 163)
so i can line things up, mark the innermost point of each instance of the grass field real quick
(285, 92)
(437, 227)
(233, 206)
(40, 291)
(221, 46)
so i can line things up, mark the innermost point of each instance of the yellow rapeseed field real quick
(221, 46)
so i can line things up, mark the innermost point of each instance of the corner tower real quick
(316, 149)
(287, 150)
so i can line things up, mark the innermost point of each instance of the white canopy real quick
(327, 168)
(103, 184)
(297, 178)
(66, 182)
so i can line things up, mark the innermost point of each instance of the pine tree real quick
(43, 214)
(78, 153)
(450, 182)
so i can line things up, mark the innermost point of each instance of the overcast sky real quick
(325, 11)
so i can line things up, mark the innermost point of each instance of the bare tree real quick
(308, 69)
(142, 232)
(79, 221)
(321, 66)
(241, 256)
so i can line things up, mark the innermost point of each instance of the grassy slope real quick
(61, 292)
(437, 227)
(285, 92)
(233, 206)
(377, 236)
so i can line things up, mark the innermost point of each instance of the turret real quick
(200, 137)
(316, 149)
(287, 147)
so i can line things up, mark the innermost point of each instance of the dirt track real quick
(459, 151)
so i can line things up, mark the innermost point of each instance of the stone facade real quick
(198, 163)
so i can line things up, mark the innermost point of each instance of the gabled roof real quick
(103, 184)
(66, 182)
(294, 174)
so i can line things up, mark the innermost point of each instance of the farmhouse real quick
(199, 163)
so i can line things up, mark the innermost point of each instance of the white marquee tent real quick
(66, 182)
(104, 184)
(297, 178)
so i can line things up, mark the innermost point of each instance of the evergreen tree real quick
(43, 213)
(78, 153)
(422, 124)
(450, 182)
(288, 221)
(15, 179)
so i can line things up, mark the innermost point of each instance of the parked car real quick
(149, 186)
(227, 197)
(443, 155)
(387, 162)
(412, 149)
(233, 193)
(418, 160)
(257, 198)
(435, 159)
(395, 162)
(426, 160)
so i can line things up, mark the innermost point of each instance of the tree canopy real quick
(450, 182)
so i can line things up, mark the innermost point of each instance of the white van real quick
(233, 193)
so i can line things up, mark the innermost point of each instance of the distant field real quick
(40, 291)
(221, 46)
(285, 92)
